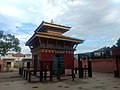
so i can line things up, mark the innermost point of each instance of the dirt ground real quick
(99, 81)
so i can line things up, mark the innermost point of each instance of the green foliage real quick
(118, 43)
(8, 42)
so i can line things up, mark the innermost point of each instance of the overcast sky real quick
(95, 21)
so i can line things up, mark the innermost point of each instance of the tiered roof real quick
(52, 31)
(44, 26)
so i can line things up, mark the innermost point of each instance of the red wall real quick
(69, 61)
(100, 65)
(43, 56)
(47, 56)
(116, 51)
(103, 65)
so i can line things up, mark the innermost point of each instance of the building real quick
(105, 60)
(1, 65)
(48, 44)
(27, 60)
(18, 56)
(12, 60)
(105, 52)
(116, 56)
(8, 61)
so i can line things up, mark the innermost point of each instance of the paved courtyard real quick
(99, 81)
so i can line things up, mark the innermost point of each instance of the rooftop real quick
(55, 27)
(45, 32)
(18, 55)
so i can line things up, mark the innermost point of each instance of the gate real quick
(58, 64)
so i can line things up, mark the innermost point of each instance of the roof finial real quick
(52, 21)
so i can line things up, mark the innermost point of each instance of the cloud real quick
(25, 49)
(23, 33)
(96, 22)
(93, 20)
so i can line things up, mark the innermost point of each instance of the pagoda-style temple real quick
(48, 44)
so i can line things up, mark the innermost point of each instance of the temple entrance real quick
(59, 63)
(35, 62)
(118, 65)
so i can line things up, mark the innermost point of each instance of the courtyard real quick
(99, 81)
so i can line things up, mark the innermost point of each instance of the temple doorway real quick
(58, 63)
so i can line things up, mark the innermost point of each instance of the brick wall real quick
(101, 65)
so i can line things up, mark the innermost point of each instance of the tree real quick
(8, 42)
(118, 43)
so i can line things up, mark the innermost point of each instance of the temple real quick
(48, 44)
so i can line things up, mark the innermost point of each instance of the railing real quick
(27, 73)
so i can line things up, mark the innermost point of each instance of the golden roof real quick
(57, 37)
(44, 31)
(55, 27)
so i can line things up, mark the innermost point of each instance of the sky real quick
(95, 21)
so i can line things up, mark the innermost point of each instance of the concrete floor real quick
(99, 81)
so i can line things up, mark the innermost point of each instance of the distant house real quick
(18, 56)
(103, 60)
(8, 62)
(27, 60)
(1, 65)
(104, 52)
